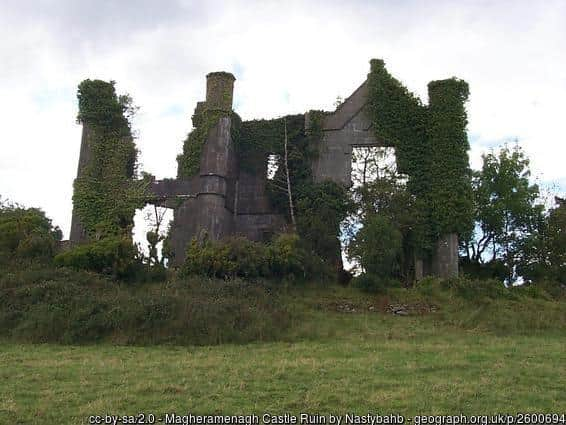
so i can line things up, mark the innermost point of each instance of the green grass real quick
(349, 363)
(162, 348)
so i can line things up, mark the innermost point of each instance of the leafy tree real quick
(26, 232)
(543, 252)
(557, 240)
(379, 190)
(321, 207)
(377, 246)
(506, 210)
(155, 235)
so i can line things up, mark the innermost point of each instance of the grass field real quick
(363, 362)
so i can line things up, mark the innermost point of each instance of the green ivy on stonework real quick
(106, 194)
(431, 147)
(451, 199)
(188, 163)
(319, 207)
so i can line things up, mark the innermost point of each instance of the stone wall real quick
(224, 200)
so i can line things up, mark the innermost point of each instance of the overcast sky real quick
(287, 56)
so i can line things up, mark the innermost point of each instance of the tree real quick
(288, 178)
(321, 207)
(505, 209)
(26, 232)
(377, 246)
(543, 252)
(557, 241)
(380, 191)
(156, 234)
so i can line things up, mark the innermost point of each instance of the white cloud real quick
(287, 59)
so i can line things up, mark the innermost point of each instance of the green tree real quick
(505, 208)
(379, 190)
(377, 246)
(321, 207)
(543, 252)
(26, 233)
(557, 241)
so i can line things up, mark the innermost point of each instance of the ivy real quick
(106, 194)
(260, 138)
(431, 147)
(320, 207)
(204, 119)
(451, 198)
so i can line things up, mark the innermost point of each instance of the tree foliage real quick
(506, 209)
(26, 233)
(321, 207)
(383, 202)
(377, 246)
(543, 250)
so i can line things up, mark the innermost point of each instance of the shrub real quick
(287, 257)
(115, 255)
(377, 246)
(373, 284)
(284, 257)
(26, 233)
(67, 306)
(236, 256)
(495, 269)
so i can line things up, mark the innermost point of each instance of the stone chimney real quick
(219, 91)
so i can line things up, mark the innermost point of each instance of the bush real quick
(495, 269)
(284, 257)
(67, 306)
(26, 233)
(114, 255)
(236, 256)
(377, 246)
(373, 284)
(287, 257)
(479, 291)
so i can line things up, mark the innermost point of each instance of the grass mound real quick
(65, 306)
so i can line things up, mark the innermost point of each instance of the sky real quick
(288, 57)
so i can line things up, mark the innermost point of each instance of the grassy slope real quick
(349, 362)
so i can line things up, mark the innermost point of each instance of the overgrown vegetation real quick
(188, 162)
(514, 237)
(48, 304)
(319, 207)
(41, 304)
(106, 194)
(26, 233)
(284, 258)
(112, 255)
(431, 147)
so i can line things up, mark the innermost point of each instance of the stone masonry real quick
(224, 200)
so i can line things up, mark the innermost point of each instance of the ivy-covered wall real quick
(451, 195)
(188, 162)
(431, 147)
(319, 207)
(106, 193)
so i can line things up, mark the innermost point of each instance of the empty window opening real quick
(272, 165)
(370, 163)
(152, 218)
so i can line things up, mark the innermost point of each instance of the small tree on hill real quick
(506, 210)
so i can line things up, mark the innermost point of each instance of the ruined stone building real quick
(225, 199)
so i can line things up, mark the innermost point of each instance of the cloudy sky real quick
(288, 57)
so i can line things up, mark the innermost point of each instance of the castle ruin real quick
(225, 199)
